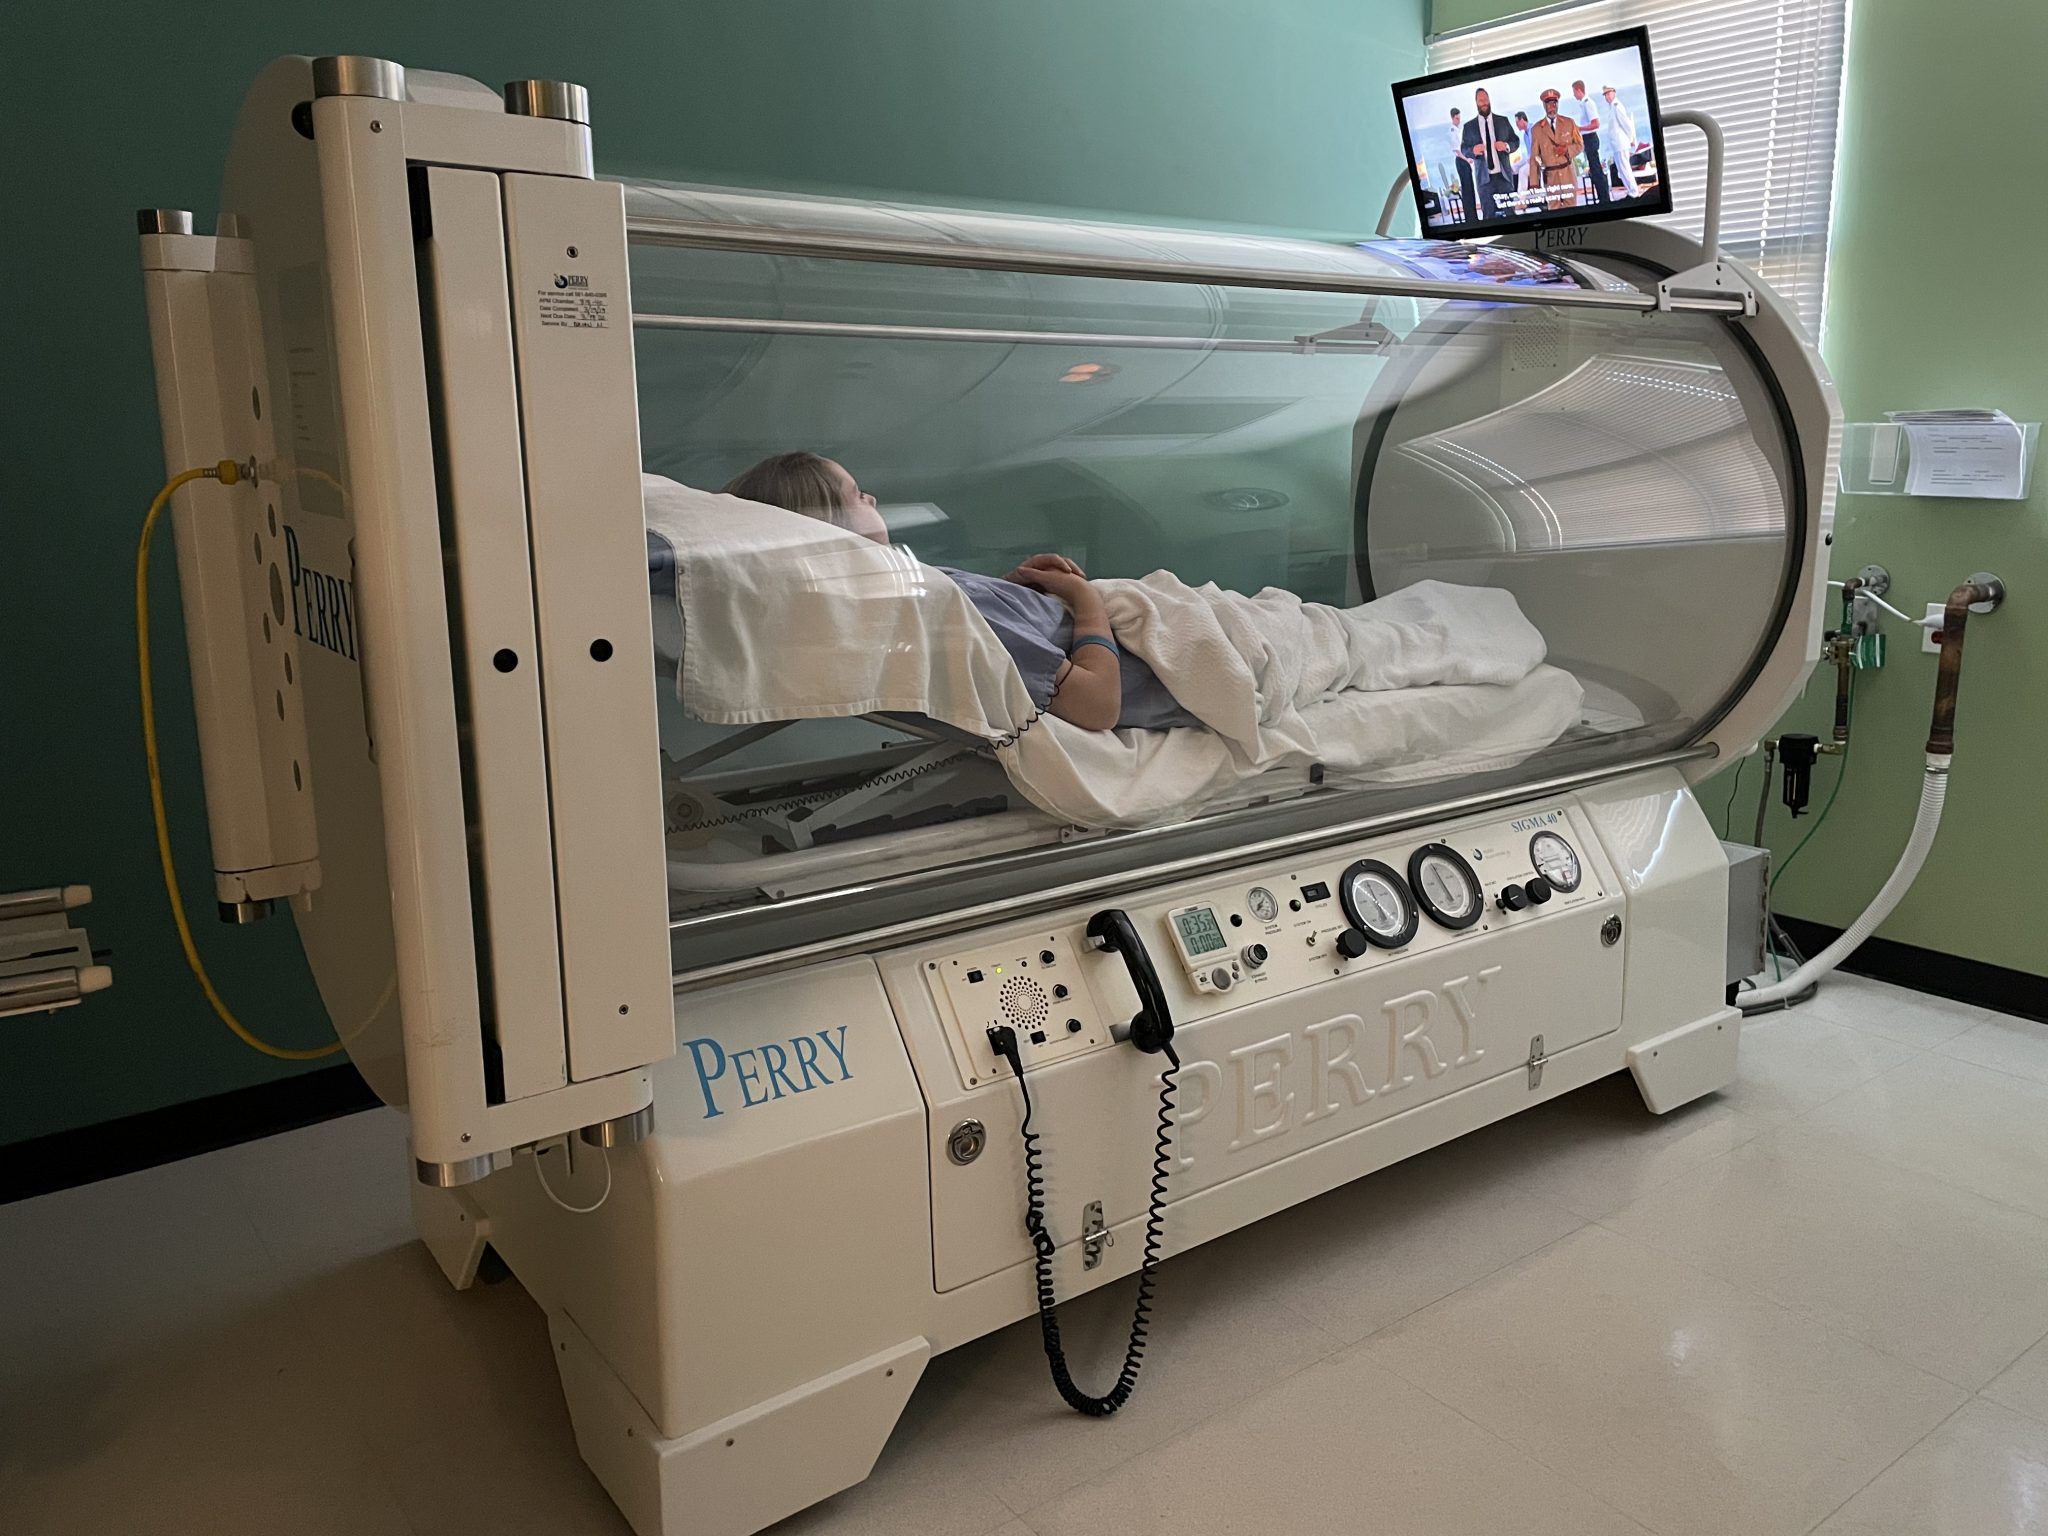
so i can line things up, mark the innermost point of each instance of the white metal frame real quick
(366, 149)
(523, 913)
(241, 626)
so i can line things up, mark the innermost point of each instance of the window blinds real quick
(1770, 72)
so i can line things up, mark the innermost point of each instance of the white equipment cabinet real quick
(748, 975)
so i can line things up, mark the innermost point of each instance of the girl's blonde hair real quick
(798, 481)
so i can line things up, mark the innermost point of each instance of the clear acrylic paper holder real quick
(1876, 458)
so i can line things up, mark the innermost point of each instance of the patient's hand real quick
(1090, 689)
(1043, 563)
(1069, 586)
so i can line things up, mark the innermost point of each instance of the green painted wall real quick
(1271, 116)
(1932, 238)
(1456, 15)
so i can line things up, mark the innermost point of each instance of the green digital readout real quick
(1199, 930)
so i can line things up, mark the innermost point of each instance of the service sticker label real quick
(573, 305)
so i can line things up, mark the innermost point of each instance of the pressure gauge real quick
(1555, 861)
(1445, 885)
(1377, 901)
(1262, 903)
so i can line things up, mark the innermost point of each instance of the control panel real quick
(1037, 987)
(1271, 934)
(1275, 930)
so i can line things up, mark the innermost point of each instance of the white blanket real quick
(786, 617)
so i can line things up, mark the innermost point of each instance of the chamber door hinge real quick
(1537, 1058)
(1095, 1234)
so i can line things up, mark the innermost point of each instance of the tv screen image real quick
(1564, 135)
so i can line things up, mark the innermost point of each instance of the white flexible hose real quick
(1933, 791)
(1933, 621)
(540, 1172)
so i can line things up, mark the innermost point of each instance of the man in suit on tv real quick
(1554, 145)
(1465, 187)
(1489, 143)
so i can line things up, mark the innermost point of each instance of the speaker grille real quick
(1023, 1002)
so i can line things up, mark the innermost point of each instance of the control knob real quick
(1512, 898)
(1540, 890)
(1254, 956)
(1352, 943)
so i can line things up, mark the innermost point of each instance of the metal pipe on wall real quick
(1981, 593)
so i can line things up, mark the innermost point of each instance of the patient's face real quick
(858, 505)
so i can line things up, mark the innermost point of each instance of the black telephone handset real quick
(1151, 1030)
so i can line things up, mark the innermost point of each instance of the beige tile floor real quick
(1817, 1302)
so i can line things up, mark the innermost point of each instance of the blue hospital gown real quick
(1036, 629)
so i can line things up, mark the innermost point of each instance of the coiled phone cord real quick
(1004, 1039)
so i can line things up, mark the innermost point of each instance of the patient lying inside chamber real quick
(784, 602)
(1046, 612)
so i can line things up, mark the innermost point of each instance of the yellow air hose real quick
(227, 472)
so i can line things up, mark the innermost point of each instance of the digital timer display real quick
(1200, 933)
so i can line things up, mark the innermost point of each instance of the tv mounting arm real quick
(1712, 278)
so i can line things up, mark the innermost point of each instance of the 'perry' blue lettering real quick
(776, 1060)
(743, 1069)
(706, 1079)
(764, 1072)
(806, 1050)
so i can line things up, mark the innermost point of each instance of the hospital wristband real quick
(1102, 640)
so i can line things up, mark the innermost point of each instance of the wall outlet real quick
(1930, 634)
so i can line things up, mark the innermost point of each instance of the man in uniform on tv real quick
(1554, 145)
(1587, 116)
(1525, 167)
(1488, 143)
(1465, 190)
(1618, 141)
